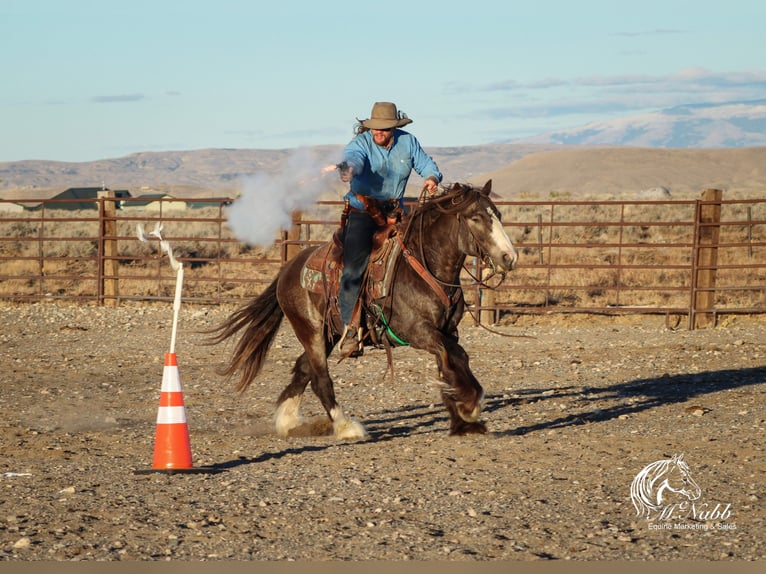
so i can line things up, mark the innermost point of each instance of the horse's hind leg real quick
(344, 428)
(306, 313)
(287, 415)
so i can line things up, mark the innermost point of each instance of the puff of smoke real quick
(267, 200)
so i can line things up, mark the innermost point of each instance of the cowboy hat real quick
(384, 116)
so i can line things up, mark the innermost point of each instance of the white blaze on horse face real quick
(503, 242)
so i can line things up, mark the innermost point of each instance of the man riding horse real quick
(377, 163)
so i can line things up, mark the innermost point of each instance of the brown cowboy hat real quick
(384, 116)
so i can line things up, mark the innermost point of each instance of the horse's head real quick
(481, 231)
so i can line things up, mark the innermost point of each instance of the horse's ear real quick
(487, 189)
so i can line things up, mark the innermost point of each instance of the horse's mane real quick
(430, 206)
(450, 200)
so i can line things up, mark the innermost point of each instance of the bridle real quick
(456, 200)
(453, 202)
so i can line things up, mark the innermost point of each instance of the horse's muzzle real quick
(505, 262)
(509, 260)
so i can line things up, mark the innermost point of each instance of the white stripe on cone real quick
(171, 381)
(171, 415)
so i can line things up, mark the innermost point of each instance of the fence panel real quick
(575, 256)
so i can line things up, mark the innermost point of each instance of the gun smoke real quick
(267, 200)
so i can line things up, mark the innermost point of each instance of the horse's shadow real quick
(629, 397)
(266, 456)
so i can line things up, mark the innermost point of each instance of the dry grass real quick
(573, 255)
(631, 254)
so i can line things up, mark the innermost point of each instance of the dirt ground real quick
(575, 406)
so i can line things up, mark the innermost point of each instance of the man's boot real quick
(351, 342)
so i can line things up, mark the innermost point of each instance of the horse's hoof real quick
(464, 428)
(471, 416)
(346, 428)
(349, 429)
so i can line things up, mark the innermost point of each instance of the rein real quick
(422, 269)
(434, 282)
(427, 276)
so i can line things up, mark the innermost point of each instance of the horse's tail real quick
(259, 322)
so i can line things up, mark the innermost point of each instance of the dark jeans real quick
(356, 253)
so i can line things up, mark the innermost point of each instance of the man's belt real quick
(382, 212)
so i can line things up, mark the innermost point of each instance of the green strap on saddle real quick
(388, 328)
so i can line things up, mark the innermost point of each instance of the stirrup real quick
(351, 342)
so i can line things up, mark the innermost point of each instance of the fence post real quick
(107, 238)
(708, 233)
(294, 234)
(486, 299)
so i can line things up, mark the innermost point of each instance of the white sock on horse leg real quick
(346, 428)
(288, 415)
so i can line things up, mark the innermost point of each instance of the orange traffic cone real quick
(172, 449)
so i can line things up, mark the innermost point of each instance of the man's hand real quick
(431, 186)
(346, 172)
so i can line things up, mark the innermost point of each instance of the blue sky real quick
(93, 79)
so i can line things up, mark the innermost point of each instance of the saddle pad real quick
(322, 269)
(380, 270)
(321, 272)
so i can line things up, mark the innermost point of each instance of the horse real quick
(651, 487)
(422, 308)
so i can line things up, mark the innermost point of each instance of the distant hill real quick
(633, 173)
(725, 125)
(221, 169)
(517, 171)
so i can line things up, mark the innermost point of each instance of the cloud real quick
(655, 32)
(117, 98)
(546, 83)
(505, 86)
(622, 93)
(619, 80)
(563, 108)
(683, 79)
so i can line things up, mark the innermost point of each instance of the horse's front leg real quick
(461, 392)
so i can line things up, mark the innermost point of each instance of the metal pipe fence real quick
(698, 259)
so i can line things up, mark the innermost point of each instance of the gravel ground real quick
(574, 413)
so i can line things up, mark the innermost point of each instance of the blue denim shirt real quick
(382, 173)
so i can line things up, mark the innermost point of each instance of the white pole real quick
(176, 306)
(177, 267)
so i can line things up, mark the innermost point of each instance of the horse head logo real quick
(660, 483)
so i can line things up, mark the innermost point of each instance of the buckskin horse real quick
(418, 302)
